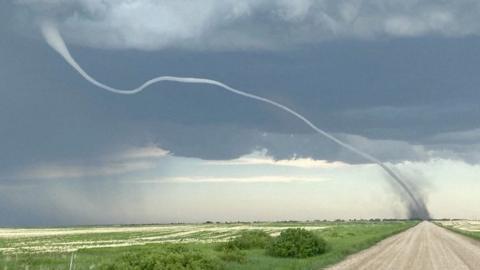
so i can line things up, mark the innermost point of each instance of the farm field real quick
(469, 228)
(94, 247)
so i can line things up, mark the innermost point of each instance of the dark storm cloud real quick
(403, 92)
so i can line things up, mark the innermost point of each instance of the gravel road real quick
(425, 246)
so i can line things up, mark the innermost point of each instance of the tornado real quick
(415, 205)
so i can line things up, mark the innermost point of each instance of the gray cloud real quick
(463, 136)
(402, 98)
(252, 24)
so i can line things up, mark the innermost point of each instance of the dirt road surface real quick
(423, 247)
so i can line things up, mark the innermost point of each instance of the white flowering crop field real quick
(45, 240)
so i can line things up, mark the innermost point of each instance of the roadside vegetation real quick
(464, 227)
(297, 243)
(471, 234)
(311, 245)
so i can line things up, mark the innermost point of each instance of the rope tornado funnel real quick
(416, 206)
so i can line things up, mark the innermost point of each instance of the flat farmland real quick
(95, 247)
(52, 240)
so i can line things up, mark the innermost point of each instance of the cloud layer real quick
(251, 24)
(252, 187)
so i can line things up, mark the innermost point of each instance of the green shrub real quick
(248, 240)
(297, 243)
(172, 258)
(229, 245)
(234, 255)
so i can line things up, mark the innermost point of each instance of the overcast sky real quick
(397, 79)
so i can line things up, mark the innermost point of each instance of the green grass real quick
(343, 239)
